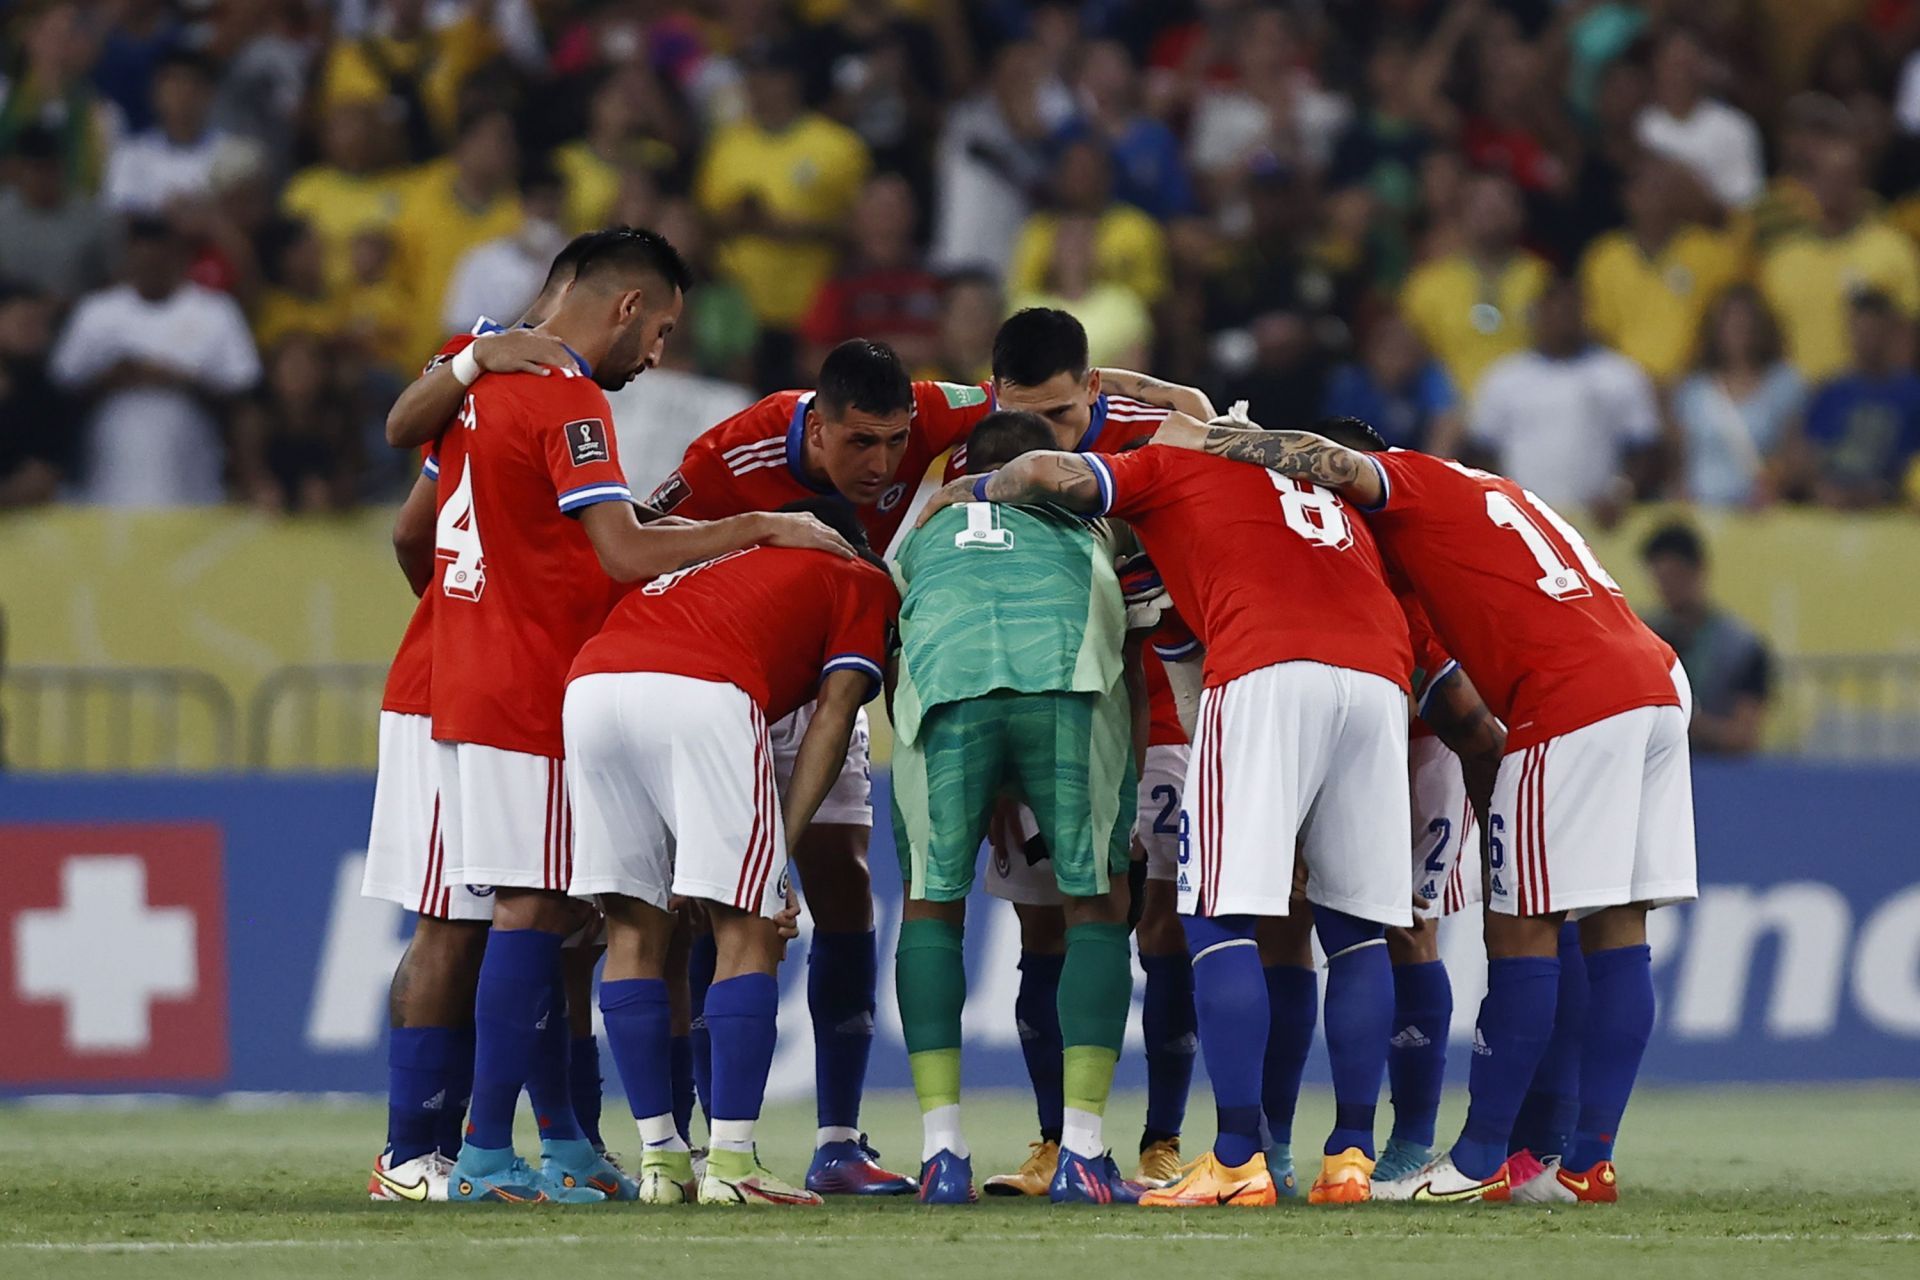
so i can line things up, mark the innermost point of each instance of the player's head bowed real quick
(625, 298)
(861, 417)
(1040, 364)
(1004, 435)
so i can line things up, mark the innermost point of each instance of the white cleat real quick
(421, 1179)
(667, 1177)
(1545, 1186)
(1440, 1182)
(758, 1187)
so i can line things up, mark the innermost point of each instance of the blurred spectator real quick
(1148, 170)
(1648, 285)
(778, 186)
(970, 312)
(175, 158)
(1808, 278)
(297, 299)
(1594, 205)
(989, 163)
(882, 291)
(1129, 248)
(158, 356)
(657, 415)
(1276, 264)
(1400, 389)
(1518, 124)
(1119, 330)
(455, 204)
(717, 325)
(58, 242)
(1470, 308)
(264, 63)
(1863, 426)
(44, 81)
(1275, 107)
(1284, 381)
(499, 277)
(629, 129)
(1569, 419)
(1383, 149)
(378, 316)
(1726, 661)
(1718, 143)
(139, 36)
(1738, 409)
(412, 70)
(346, 193)
(1809, 122)
(293, 441)
(37, 442)
(878, 68)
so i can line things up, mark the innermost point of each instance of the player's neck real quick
(578, 336)
(811, 469)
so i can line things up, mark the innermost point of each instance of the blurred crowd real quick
(1620, 249)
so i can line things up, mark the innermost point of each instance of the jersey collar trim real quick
(1096, 423)
(1386, 486)
(796, 457)
(586, 370)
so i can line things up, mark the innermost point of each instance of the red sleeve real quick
(865, 607)
(700, 488)
(1431, 661)
(452, 347)
(1408, 476)
(1128, 480)
(945, 412)
(570, 422)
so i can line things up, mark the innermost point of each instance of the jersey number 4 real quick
(1557, 578)
(456, 540)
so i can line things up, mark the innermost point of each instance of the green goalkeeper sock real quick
(930, 982)
(1096, 988)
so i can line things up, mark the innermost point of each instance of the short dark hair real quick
(1676, 539)
(633, 251)
(1037, 343)
(1355, 433)
(152, 228)
(1872, 302)
(865, 375)
(1004, 435)
(838, 515)
(190, 61)
(39, 141)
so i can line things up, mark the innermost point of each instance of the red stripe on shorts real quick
(751, 861)
(1543, 894)
(433, 849)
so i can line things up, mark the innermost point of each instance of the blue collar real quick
(796, 457)
(586, 370)
(1096, 421)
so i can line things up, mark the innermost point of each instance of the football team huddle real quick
(1220, 691)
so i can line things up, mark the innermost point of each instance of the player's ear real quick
(1093, 385)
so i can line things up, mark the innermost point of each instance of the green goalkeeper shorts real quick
(1069, 755)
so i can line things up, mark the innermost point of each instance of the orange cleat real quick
(1345, 1178)
(1208, 1183)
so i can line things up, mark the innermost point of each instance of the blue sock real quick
(584, 1074)
(740, 1017)
(517, 980)
(1516, 1021)
(680, 1055)
(1545, 1123)
(452, 1126)
(636, 1015)
(1619, 1020)
(1293, 997)
(1036, 1013)
(1230, 1008)
(550, 1083)
(420, 1066)
(702, 957)
(842, 971)
(1417, 1054)
(1167, 1025)
(1359, 1017)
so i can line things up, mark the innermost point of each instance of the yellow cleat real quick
(1160, 1163)
(1032, 1178)
(1346, 1178)
(1207, 1182)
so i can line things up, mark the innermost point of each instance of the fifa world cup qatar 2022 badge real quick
(587, 441)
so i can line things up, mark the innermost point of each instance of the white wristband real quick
(466, 366)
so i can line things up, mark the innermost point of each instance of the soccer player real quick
(430, 1008)
(1592, 810)
(1012, 676)
(1302, 743)
(671, 771)
(868, 434)
(535, 517)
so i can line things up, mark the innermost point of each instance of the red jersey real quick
(522, 587)
(1517, 596)
(771, 621)
(1431, 662)
(1116, 422)
(1263, 568)
(754, 462)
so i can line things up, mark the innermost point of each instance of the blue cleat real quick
(1078, 1180)
(947, 1179)
(489, 1176)
(852, 1168)
(1280, 1165)
(575, 1166)
(1401, 1159)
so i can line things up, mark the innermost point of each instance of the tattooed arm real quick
(1154, 391)
(1063, 479)
(1300, 455)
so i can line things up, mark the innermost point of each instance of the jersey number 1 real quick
(1557, 578)
(456, 539)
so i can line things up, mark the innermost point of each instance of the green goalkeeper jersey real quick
(1002, 597)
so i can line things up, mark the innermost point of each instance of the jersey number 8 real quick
(1314, 513)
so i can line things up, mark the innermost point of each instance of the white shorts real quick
(849, 801)
(505, 816)
(406, 851)
(1156, 825)
(1298, 752)
(1011, 878)
(1446, 835)
(674, 791)
(1598, 817)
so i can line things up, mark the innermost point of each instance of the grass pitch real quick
(1718, 1183)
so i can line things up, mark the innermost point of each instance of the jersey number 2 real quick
(456, 539)
(1557, 578)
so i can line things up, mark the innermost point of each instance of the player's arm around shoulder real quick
(1460, 718)
(413, 533)
(429, 402)
(1299, 455)
(1155, 391)
(1067, 480)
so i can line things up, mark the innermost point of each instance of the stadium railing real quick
(116, 720)
(316, 718)
(1848, 707)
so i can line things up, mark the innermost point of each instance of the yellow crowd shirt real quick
(1468, 318)
(1128, 249)
(362, 70)
(1650, 308)
(1809, 278)
(433, 232)
(338, 206)
(809, 171)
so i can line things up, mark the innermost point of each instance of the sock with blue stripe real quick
(1359, 1016)
(1516, 1021)
(842, 973)
(517, 979)
(450, 1130)
(740, 1017)
(637, 1016)
(702, 957)
(1417, 1053)
(1547, 1116)
(1293, 998)
(1036, 1014)
(1167, 1026)
(1619, 1021)
(420, 1067)
(550, 1085)
(1230, 1008)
